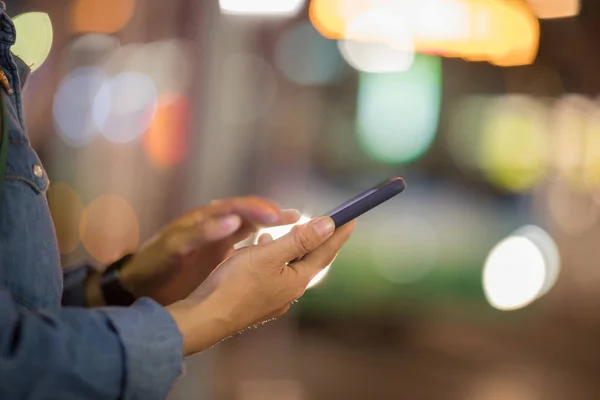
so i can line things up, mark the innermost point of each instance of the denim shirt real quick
(51, 347)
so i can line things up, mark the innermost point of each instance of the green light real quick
(398, 112)
(34, 38)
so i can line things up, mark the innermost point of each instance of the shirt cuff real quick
(153, 348)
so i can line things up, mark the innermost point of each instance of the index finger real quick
(253, 209)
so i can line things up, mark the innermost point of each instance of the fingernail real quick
(292, 210)
(323, 226)
(265, 238)
(230, 222)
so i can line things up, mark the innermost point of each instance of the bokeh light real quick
(389, 47)
(514, 144)
(398, 112)
(66, 207)
(305, 57)
(125, 106)
(165, 142)
(278, 231)
(502, 33)
(280, 8)
(520, 269)
(34, 38)
(109, 228)
(74, 103)
(550, 9)
(100, 16)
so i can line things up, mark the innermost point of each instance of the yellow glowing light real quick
(550, 9)
(514, 146)
(278, 231)
(109, 228)
(34, 38)
(100, 16)
(66, 208)
(503, 33)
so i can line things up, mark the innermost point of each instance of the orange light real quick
(165, 142)
(549, 9)
(326, 19)
(66, 208)
(100, 16)
(505, 33)
(109, 228)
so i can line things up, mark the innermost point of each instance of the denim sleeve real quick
(75, 353)
(74, 286)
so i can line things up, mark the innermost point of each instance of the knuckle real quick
(302, 241)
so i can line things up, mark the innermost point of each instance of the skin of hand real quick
(257, 283)
(177, 260)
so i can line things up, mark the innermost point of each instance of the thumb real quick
(302, 239)
(207, 230)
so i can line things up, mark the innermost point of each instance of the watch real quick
(113, 292)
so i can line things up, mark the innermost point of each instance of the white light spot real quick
(378, 42)
(281, 8)
(278, 231)
(125, 106)
(74, 102)
(520, 269)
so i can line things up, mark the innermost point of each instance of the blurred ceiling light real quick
(389, 47)
(109, 228)
(66, 208)
(397, 115)
(165, 142)
(101, 16)
(34, 38)
(74, 104)
(549, 9)
(514, 143)
(125, 106)
(278, 231)
(307, 58)
(280, 8)
(520, 269)
(502, 33)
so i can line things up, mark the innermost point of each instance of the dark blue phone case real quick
(366, 201)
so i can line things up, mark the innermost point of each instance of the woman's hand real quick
(177, 260)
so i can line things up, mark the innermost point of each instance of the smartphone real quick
(366, 201)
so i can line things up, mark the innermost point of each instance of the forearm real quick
(108, 353)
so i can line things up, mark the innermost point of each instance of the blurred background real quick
(480, 282)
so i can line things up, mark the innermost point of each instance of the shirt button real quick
(38, 171)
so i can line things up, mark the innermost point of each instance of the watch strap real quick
(113, 292)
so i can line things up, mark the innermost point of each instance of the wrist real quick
(93, 292)
(201, 324)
